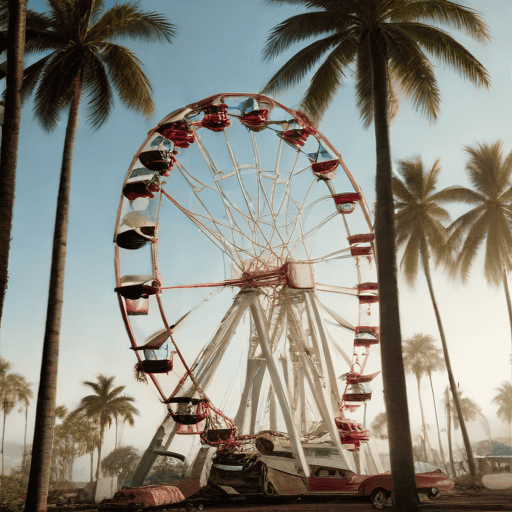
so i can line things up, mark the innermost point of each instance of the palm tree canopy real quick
(421, 355)
(470, 409)
(4, 366)
(24, 392)
(12, 390)
(503, 399)
(106, 403)
(342, 32)
(78, 37)
(489, 221)
(379, 426)
(419, 216)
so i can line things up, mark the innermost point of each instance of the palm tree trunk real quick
(441, 451)
(451, 379)
(102, 433)
(45, 418)
(509, 306)
(425, 435)
(91, 453)
(393, 373)
(10, 134)
(449, 431)
(25, 437)
(3, 437)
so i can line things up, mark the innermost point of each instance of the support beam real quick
(319, 336)
(260, 323)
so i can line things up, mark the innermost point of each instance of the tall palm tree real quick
(421, 356)
(104, 405)
(81, 57)
(419, 230)
(10, 132)
(503, 399)
(10, 386)
(127, 414)
(470, 411)
(489, 220)
(90, 440)
(24, 396)
(385, 41)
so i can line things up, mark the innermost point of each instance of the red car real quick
(336, 480)
(378, 487)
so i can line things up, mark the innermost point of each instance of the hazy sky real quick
(218, 49)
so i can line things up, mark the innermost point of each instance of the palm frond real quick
(347, 5)
(463, 223)
(327, 80)
(498, 253)
(299, 65)
(476, 233)
(31, 76)
(506, 197)
(56, 87)
(97, 85)
(299, 28)
(411, 169)
(38, 21)
(413, 72)
(456, 194)
(448, 51)
(410, 259)
(40, 42)
(437, 237)
(401, 192)
(485, 169)
(126, 20)
(129, 80)
(444, 12)
(430, 180)
(364, 83)
(437, 212)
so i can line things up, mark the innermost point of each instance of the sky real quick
(218, 49)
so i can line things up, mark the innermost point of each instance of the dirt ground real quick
(454, 503)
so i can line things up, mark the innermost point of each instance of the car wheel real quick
(379, 497)
(433, 493)
(269, 489)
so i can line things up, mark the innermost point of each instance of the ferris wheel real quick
(245, 276)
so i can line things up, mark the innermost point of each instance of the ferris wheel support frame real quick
(261, 325)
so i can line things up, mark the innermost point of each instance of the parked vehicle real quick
(334, 480)
(378, 487)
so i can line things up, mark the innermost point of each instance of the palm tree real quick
(126, 413)
(10, 386)
(10, 132)
(503, 400)
(421, 356)
(24, 396)
(81, 58)
(490, 173)
(104, 406)
(379, 427)
(385, 41)
(419, 230)
(470, 411)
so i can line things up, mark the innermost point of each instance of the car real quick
(324, 479)
(378, 487)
